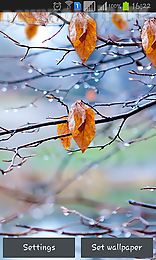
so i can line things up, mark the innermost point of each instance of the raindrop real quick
(86, 85)
(131, 79)
(96, 80)
(69, 153)
(66, 214)
(114, 212)
(77, 86)
(117, 68)
(30, 71)
(61, 98)
(50, 100)
(96, 73)
(92, 222)
(60, 77)
(152, 77)
(148, 67)
(6, 110)
(140, 68)
(15, 110)
(149, 85)
(132, 30)
(72, 75)
(126, 144)
(44, 92)
(57, 91)
(4, 89)
(127, 234)
(36, 89)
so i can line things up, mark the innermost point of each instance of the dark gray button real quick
(117, 247)
(38, 247)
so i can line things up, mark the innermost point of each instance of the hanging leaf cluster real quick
(80, 126)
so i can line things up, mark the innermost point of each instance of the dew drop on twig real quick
(77, 86)
(140, 68)
(148, 67)
(96, 80)
(126, 144)
(96, 73)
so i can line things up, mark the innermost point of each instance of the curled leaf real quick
(34, 18)
(63, 129)
(82, 124)
(82, 34)
(76, 117)
(119, 21)
(31, 31)
(148, 37)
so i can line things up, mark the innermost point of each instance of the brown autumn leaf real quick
(119, 21)
(82, 34)
(63, 129)
(34, 18)
(31, 31)
(148, 37)
(82, 124)
(1, 16)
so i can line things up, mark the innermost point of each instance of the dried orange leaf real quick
(31, 31)
(1, 16)
(86, 131)
(63, 129)
(82, 34)
(34, 18)
(82, 124)
(148, 37)
(119, 21)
